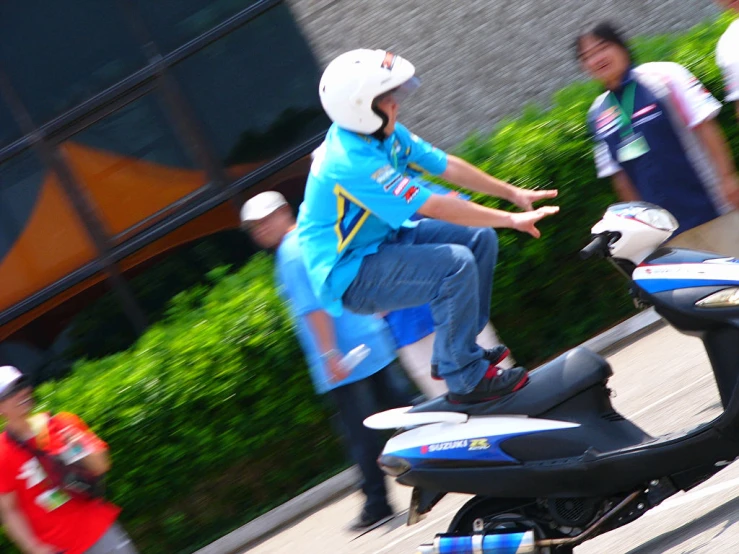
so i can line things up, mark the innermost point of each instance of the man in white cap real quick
(363, 254)
(376, 383)
(39, 514)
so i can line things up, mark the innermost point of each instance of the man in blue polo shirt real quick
(376, 383)
(358, 246)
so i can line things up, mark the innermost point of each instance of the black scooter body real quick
(607, 454)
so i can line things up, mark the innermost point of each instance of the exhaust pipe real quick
(502, 543)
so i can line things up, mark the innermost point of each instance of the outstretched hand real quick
(526, 221)
(525, 198)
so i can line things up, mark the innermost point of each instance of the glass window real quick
(157, 280)
(255, 90)
(46, 342)
(94, 324)
(88, 320)
(175, 23)
(133, 166)
(59, 54)
(41, 237)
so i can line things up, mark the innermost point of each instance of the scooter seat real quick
(548, 386)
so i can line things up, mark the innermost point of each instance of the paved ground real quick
(663, 382)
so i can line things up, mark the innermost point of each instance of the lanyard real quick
(393, 153)
(626, 108)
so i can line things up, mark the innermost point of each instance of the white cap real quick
(8, 376)
(262, 205)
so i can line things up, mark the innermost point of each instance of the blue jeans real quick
(355, 402)
(447, 266)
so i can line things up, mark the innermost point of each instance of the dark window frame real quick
(153, 78)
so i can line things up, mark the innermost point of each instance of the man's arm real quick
(462, 212)
(322, 325)
(76, 432)
(18, 529)
(467, 175)
(98, 463)
(713, 138)
(625, 189)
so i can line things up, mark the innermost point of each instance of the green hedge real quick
(211, 417)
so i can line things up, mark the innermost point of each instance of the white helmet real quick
(352, 81)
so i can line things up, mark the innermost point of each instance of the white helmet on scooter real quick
(352, 81)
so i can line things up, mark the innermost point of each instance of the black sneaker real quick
(367, 521)
(496, 383)
(494, 355)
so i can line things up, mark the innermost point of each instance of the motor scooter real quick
(554, 464)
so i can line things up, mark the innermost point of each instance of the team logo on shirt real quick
(702, 95)
(32, 473)
(401, 186)
(646, 114)
(411, 193)
(645, 110)
(350, 216)
(392, 183)
(383, 175)
(608, 120)
(695, 83)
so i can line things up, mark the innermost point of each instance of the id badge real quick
(632, 147)
(52, 499)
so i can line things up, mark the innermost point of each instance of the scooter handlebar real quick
(598, 246)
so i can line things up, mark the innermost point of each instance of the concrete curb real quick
(626, 332)
(289, 512)
(347, 481)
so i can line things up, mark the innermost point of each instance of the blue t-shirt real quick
(677, 173)
(351, 329)
(358, 192)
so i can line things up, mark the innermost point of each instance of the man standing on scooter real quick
(360, 251)
(375, 384)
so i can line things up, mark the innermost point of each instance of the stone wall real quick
(480, 59)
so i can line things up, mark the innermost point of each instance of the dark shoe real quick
(496, 383)
(494, 355)
(367, 521)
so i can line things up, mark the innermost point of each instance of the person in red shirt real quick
(38, 514)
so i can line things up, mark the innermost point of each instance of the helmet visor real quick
(402, 92)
